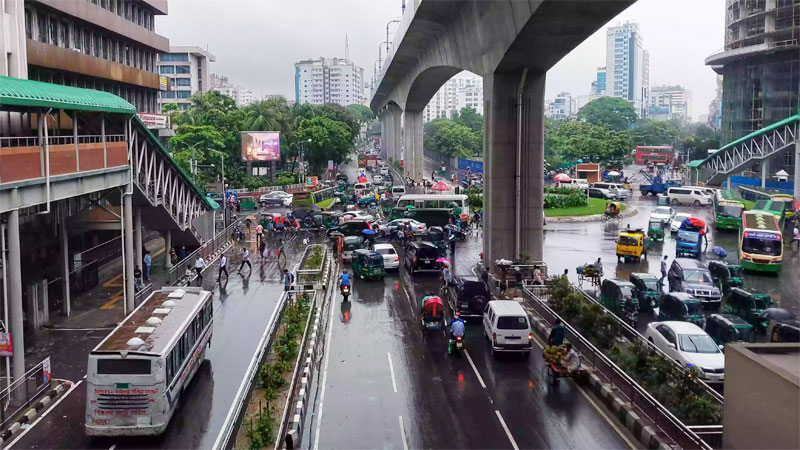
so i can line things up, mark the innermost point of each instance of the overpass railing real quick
(208, 248)
(23, 391)
(676, 430)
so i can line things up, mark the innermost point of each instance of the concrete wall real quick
(762, 397)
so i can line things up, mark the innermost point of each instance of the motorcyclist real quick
(344, 280)
(457, 326)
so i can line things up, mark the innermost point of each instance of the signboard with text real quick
(46, 370)
(6, 345)
(163, 83)
(261, 146)
(311, 181)
(154, 121)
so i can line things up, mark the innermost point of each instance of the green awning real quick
(695, 164)
(213, 203)
(18, 92)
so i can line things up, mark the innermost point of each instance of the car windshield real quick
(628, 240)
(760, 302)
(385, 251)
(698, 343)
(694, 308)
(651, 285)
(688, 236)
(697, 276)
(730, 211)
(512, 323)
(771, 247)
(662, 211)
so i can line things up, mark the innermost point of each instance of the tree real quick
(449, 138)
(654, 132)
(581, 140)
(612, 112)
(267, 115)
(330, 139)
(361, 113)
(470, 119)
(340, 113)
(169, 108)
(196, 141)
(702, 140)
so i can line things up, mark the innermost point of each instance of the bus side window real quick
(170, 363)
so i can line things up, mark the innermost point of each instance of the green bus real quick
(728, 210)
(307, 199)
(774, 207)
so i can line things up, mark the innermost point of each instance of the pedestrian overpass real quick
(757, 147)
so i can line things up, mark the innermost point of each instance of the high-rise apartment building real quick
(328, 80)
(563, 107)
(760, 65)
(461, 91)
(241, 95)
(108, 45)
(186, 68)
(599, 84)
(627, 65)
(670, 102)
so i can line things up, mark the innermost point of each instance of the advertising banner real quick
(6, 345)
(261, 146)
(311, 181)
(473, 165)
(46, 370)
(163, 83)
(154, 121)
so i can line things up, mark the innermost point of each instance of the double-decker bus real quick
(760, 242)
(136, 374)
(777, 209)
(729, 208)
(654, 154)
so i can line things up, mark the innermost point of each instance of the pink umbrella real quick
(562, 177)
(441, 186)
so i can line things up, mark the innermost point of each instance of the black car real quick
(421, 257)
(468, 295)
(692, 276)
(352, 228)
(785, 332)
(602, 193)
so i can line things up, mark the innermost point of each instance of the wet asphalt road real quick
(242, 308)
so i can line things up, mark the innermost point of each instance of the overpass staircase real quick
(749, 150)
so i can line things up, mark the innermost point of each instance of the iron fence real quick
(22, 392)
(676, 430)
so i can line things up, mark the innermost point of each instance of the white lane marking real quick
(391, 371)
(325, 373)
(505, 427)
(610, 422)
(112, 447)
(475, 369)
(403, 433)
(595, 405)
(408, 297)
(26, 430)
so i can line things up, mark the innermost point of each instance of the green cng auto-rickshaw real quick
(655, 230)
(645, 288)
(617, 296)
(726, 275)
(368, 265)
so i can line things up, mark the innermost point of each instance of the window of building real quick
(168, 94)
(167, 69)
(96, 41)
(63, 34)
(183, 82)
(87, 42)
(41, 20)
(183, 94)
(174, 57)
(105, 44)
(183, 70)
(76, 36)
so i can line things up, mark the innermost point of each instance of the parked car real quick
(421, 257)
(602, 193)
(688, 196)
(725, 328)
(615, 188)
(507, 327)
(690, 346)
(387, 228)
(663, 213)
(576, 183)
(681, 306)
(748, 305)
(274, 198)
(692, 276)
(390, 258)
(726, 275)
(675, 223)
(468, 295)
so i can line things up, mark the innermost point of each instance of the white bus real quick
(434, 201)
(137, 373)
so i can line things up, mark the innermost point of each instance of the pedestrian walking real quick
(148, 261)
(199, 265)
(796, 237)
(245, 260)
(137, 278)
(259, 233)
(453, 248)
(663, 272)
(262, 247)
(223, 267)
(288, 279)
(485, 276)
(182, 253)
(280, 249)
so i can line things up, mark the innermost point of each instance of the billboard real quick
(261, 146)
(154, 121)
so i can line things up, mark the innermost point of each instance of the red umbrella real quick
(362, 179)
(441, 186)
(562, 177)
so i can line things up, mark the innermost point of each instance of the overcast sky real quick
(257, 42)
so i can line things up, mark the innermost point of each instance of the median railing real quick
(676, 430)
(211, 247)
(23, 391)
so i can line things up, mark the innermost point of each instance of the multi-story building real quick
(241, 95)
(627, 65)
(583, 100)
(461, 91)
(760, 65)
(670, 102)
(715, 107)
(186, 67)
(328, 80)
(108, 45)
(599, 84)
(563, 107)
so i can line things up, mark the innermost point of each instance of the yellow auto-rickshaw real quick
(632, 245)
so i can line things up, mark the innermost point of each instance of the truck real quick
(656, 185)
(689, 241)
(371, 162)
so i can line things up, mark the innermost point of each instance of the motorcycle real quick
(345, 289)
(455, 344)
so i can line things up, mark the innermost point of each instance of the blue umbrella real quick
(719, 251)
(368, 231)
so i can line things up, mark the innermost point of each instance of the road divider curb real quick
(35, 410)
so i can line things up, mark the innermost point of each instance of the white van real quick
(615, 188)
(507, 327)
(398, 191)
(576, 183)
(688, 196)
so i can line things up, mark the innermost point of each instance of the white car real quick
(675, 225)
(274, 198)
(385, 170)
(388, 228)
(358, 215)
(377, 178)
(663, 213)
(690, 346)
(391, 260)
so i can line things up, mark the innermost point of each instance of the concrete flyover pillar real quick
(168, 249)
(64, 252)
(397, 134)
(15, 295)
(510, 124)
(412, 137)
(388, 125)
(127, 201)
(764, 172)
(384, 136)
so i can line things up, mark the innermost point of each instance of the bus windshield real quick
(730, 210)
(762, 243)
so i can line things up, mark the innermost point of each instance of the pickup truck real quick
(657, 186)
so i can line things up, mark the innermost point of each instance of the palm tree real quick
(267, 115)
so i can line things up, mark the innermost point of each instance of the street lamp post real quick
(192, 162)
(303, 159)
(387, 34)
